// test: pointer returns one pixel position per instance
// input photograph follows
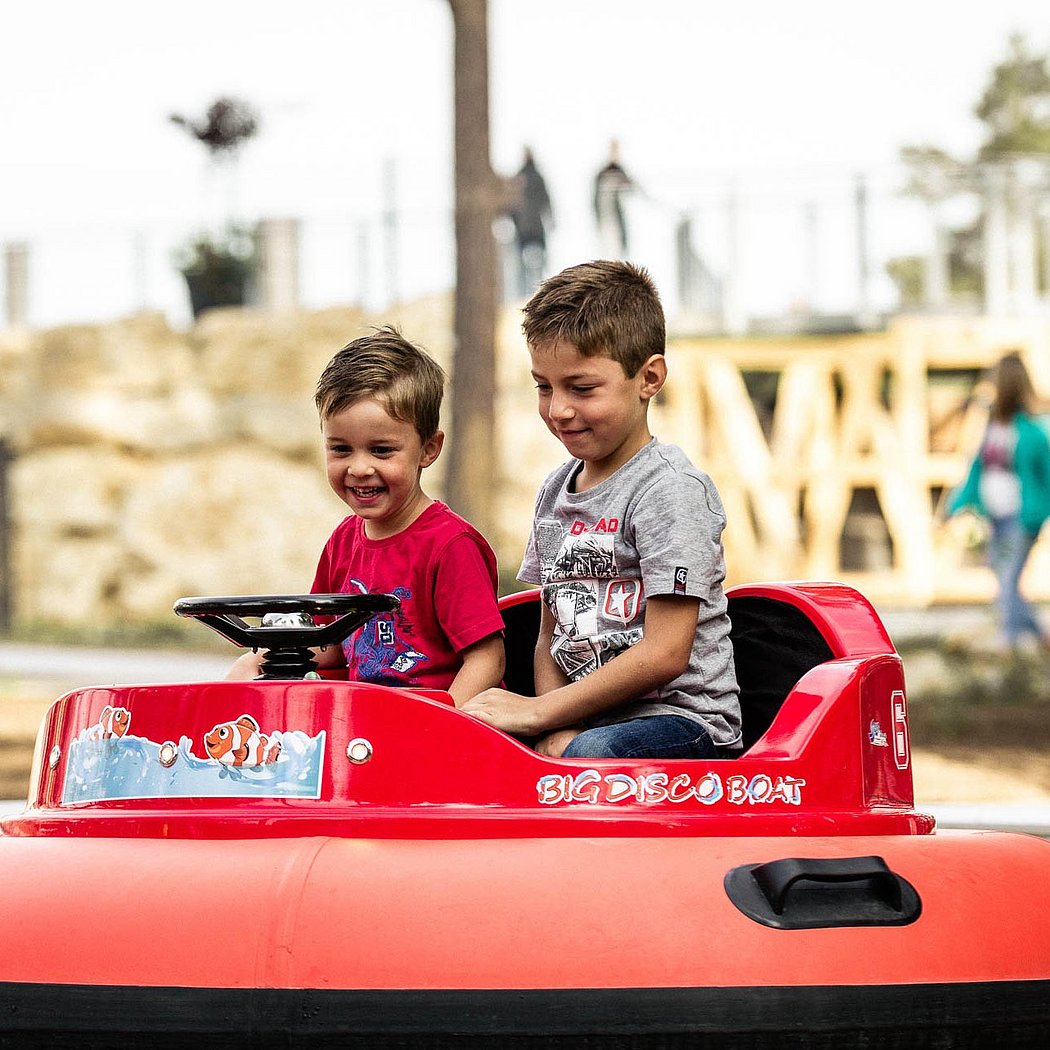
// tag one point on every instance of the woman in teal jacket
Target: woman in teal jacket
(1009, 484)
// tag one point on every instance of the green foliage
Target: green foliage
(1015, 109)
(933, 175)
(964, 269)
(225, 260)
(906, 272)
(965, 260)
(1015, 106)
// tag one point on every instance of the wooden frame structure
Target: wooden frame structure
(832, 454)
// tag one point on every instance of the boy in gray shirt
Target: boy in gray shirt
(634, 658)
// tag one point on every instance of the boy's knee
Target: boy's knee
(593, 743)
(667, 737)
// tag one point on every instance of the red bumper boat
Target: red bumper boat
(309, 862)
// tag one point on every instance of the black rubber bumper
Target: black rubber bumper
(994, 1014)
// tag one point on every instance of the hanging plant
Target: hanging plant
(219, 272)
(219, 266)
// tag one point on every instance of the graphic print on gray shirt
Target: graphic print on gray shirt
(652, 528)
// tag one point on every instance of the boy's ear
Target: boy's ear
(653, 375)
(432, 448)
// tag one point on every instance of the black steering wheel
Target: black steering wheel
(287, 631)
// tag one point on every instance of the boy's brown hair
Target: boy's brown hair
(386, 366)
(604, 307)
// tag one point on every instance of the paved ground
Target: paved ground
(905, 625)
(83, 666)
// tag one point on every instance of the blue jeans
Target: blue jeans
(661, 736)
(1008, 548)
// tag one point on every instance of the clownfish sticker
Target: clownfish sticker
(113, 722)
(241, 744)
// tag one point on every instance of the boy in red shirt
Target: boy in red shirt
(379, 400)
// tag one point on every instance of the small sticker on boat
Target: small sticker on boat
(112, 722)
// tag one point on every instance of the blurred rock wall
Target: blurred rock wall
(150, 463)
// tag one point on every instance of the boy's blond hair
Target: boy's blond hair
(386, 366)
(602, 308)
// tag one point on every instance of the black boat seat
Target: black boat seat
(774, 645)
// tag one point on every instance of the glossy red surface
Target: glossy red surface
(435, 772)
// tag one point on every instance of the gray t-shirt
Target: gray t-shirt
(652, 528)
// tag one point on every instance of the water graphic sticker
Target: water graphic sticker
(242, 762)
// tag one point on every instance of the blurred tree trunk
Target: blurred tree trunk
(473, 456)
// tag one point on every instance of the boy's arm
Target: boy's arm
(547, 675)
(245, 667)
(483, 665)
(464, 604)
(661, 656)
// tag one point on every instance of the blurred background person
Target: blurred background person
(1008, 484)
(531, 214)
(610, 185)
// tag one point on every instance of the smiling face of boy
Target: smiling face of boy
(593, 408)
(374, 463)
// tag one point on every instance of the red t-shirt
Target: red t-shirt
(445, 575)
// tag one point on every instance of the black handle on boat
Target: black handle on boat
(776, 878)
(224, 614)
(802, 893)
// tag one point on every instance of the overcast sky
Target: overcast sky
(778, 95)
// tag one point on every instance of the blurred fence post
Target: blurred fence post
(734, 320)
(996, 263)
(1024, 253)
(279, 264)
(865, 312)
(390, 231)
(363, 249)
(6, 582)
(16, 283)
(937, 278)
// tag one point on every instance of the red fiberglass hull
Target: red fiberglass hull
(391, 872)
(299, 942)
(497, 913)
